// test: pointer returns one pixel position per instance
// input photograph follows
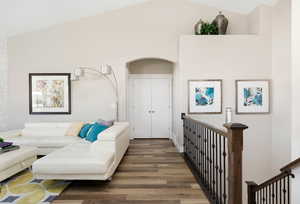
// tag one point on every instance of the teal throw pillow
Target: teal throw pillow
(93, 133)
(84, 130)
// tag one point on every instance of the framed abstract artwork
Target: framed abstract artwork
(252, 96)
(50, 93)
(205, 96)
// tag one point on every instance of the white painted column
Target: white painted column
(3, 83)
(295, 140)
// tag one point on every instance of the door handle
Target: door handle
(151, 111)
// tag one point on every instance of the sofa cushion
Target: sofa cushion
(41, 132)
(94, 132)
(108, 123)
(75, 159)
(45, 129)
(11, 158)
(84, 130)
(74, 129)
(48, 125)
(45, 141)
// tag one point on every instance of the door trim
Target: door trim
(150, 76)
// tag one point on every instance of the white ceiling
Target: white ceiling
(17, 16)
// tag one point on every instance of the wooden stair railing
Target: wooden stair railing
(275, 190)
(215, 157)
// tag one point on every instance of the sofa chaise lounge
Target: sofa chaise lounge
(74, 159)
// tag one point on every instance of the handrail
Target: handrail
(215, 157)
(276, 189)
(270, 181)
(294, 164)
(221, 132)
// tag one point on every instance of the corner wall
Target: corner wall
(3, 84)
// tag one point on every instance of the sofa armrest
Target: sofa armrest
(115, 138)
(112, 133)
(10, 134)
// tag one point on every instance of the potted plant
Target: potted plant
(209, 29)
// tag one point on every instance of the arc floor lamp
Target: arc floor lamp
(102, 71)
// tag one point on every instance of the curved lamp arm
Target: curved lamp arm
(79, 72)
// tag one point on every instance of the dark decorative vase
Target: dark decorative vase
(198, 27)
(222, 23)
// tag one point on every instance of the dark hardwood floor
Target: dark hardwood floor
(152, 172)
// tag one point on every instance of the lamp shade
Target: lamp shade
(105, 69)
(78, 72)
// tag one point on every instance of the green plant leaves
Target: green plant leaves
(209, 29)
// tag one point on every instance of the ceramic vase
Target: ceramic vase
(222, 23)
(198, 27)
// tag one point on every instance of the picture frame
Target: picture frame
(205, 96)
(253, 96)
(49, 93)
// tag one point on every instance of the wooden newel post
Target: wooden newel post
(235, 162)
(251, 192)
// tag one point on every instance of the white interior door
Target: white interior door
(161, 108)
(150, 109)
(141, 107)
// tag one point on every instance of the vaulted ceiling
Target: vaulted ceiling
(17, 16)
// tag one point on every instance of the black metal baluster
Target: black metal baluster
(288, 188)
(264, 194)
(191, 141)
(220, 169)
(184, 135)
(217, 170)
(273, 195)
(284, 191)
(209, 162)
(194, 144)
(203, 149)
(276, 192)
(224, 169)
(214, 167)
(270, 196)
(188, 139)
(280, 191)
(205, 155)
(203, 152)
(198, 148)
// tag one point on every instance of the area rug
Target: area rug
(24, 189)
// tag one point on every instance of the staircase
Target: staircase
(215, 158)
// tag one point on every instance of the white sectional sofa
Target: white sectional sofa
(73, 158)
(47, 137)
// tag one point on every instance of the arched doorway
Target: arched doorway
(150, 97)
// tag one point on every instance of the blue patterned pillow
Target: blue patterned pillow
(93, 133)
(84, 130)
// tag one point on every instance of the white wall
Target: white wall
(295, 139)
(230, 58)
(281, 86)
(149, 30)
(3, 83)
